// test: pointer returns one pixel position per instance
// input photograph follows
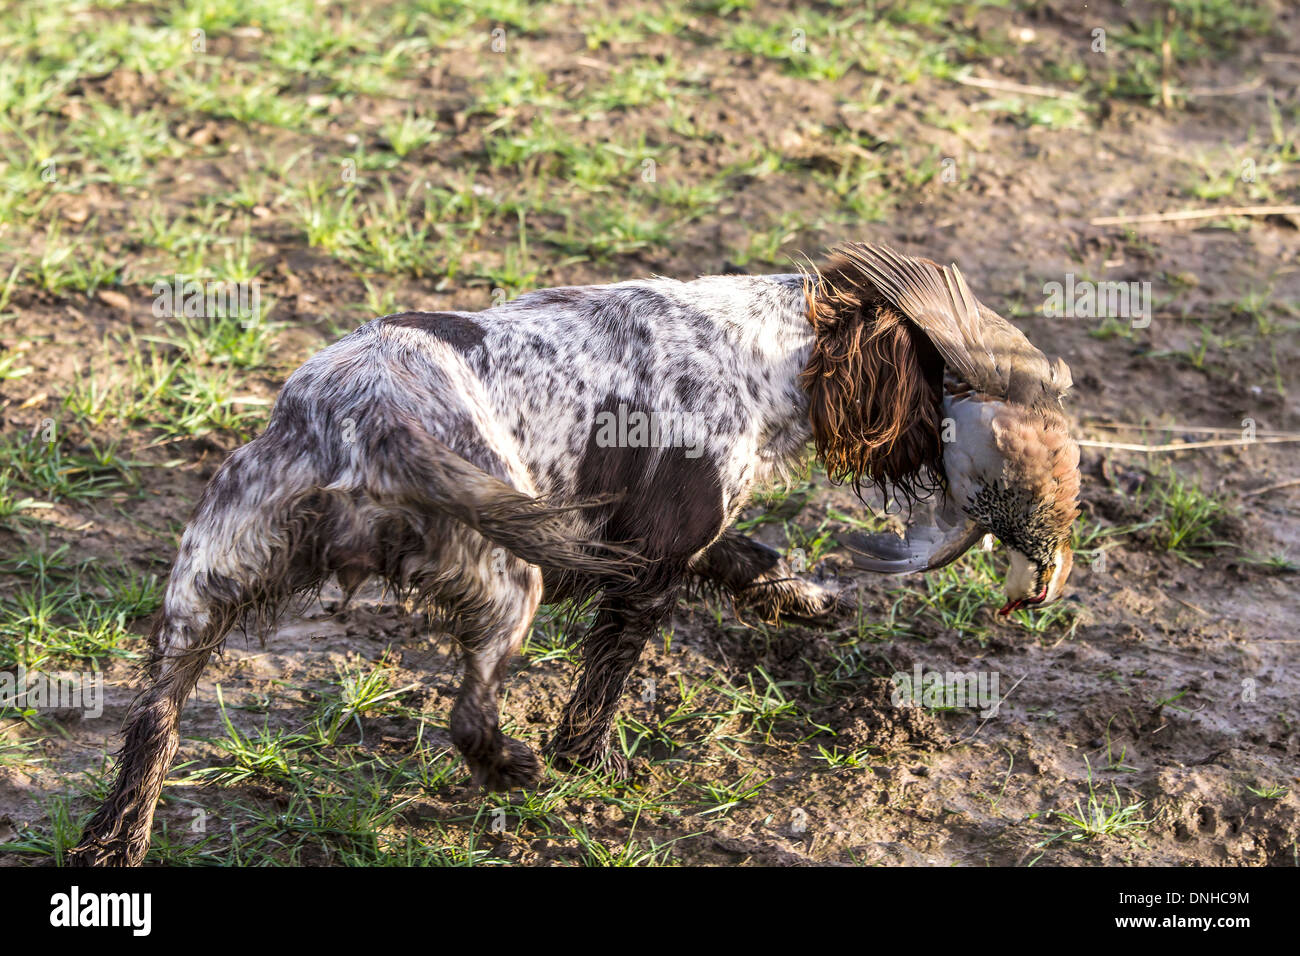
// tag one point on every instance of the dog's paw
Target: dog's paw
(795, 598)
(110, 853)
(607, 761)
(514, 766)
(815, 602)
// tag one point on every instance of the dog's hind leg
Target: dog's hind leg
(758, 577)
(610, 650)
(491, 625)
(237, 555)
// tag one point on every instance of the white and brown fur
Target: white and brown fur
(453, 455)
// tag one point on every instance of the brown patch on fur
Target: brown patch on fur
(662, 505)
(459, 331)
(875, 387)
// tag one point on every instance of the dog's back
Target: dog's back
(714, 361)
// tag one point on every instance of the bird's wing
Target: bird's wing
(983, 349)
(924, 548)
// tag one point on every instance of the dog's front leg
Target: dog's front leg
(758, 577)
(610, 650)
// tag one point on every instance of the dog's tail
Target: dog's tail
(428, 474)
(286, 510)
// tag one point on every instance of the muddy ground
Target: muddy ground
(1166, 692)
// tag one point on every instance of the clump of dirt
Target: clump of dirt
(878, 720)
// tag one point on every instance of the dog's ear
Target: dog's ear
(875, 387)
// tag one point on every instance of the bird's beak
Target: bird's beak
(924, 548)
(1050, 593)
(1018, 603)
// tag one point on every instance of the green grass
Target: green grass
(1132, 66)
(1269, 791)
(1187, 518)
(1103, 815)
(963, 597)
(56, 471)
(523, 113)
(186, 382)
(361, 692)
(55, 613)
(23, 754)
(407, 133)
(1100, 814)
(835, 758)
(341, 802)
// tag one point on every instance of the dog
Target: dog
(597, 443)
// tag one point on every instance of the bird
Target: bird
(1009, 465)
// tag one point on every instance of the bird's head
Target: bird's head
(1014, 472)
(916, 385)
